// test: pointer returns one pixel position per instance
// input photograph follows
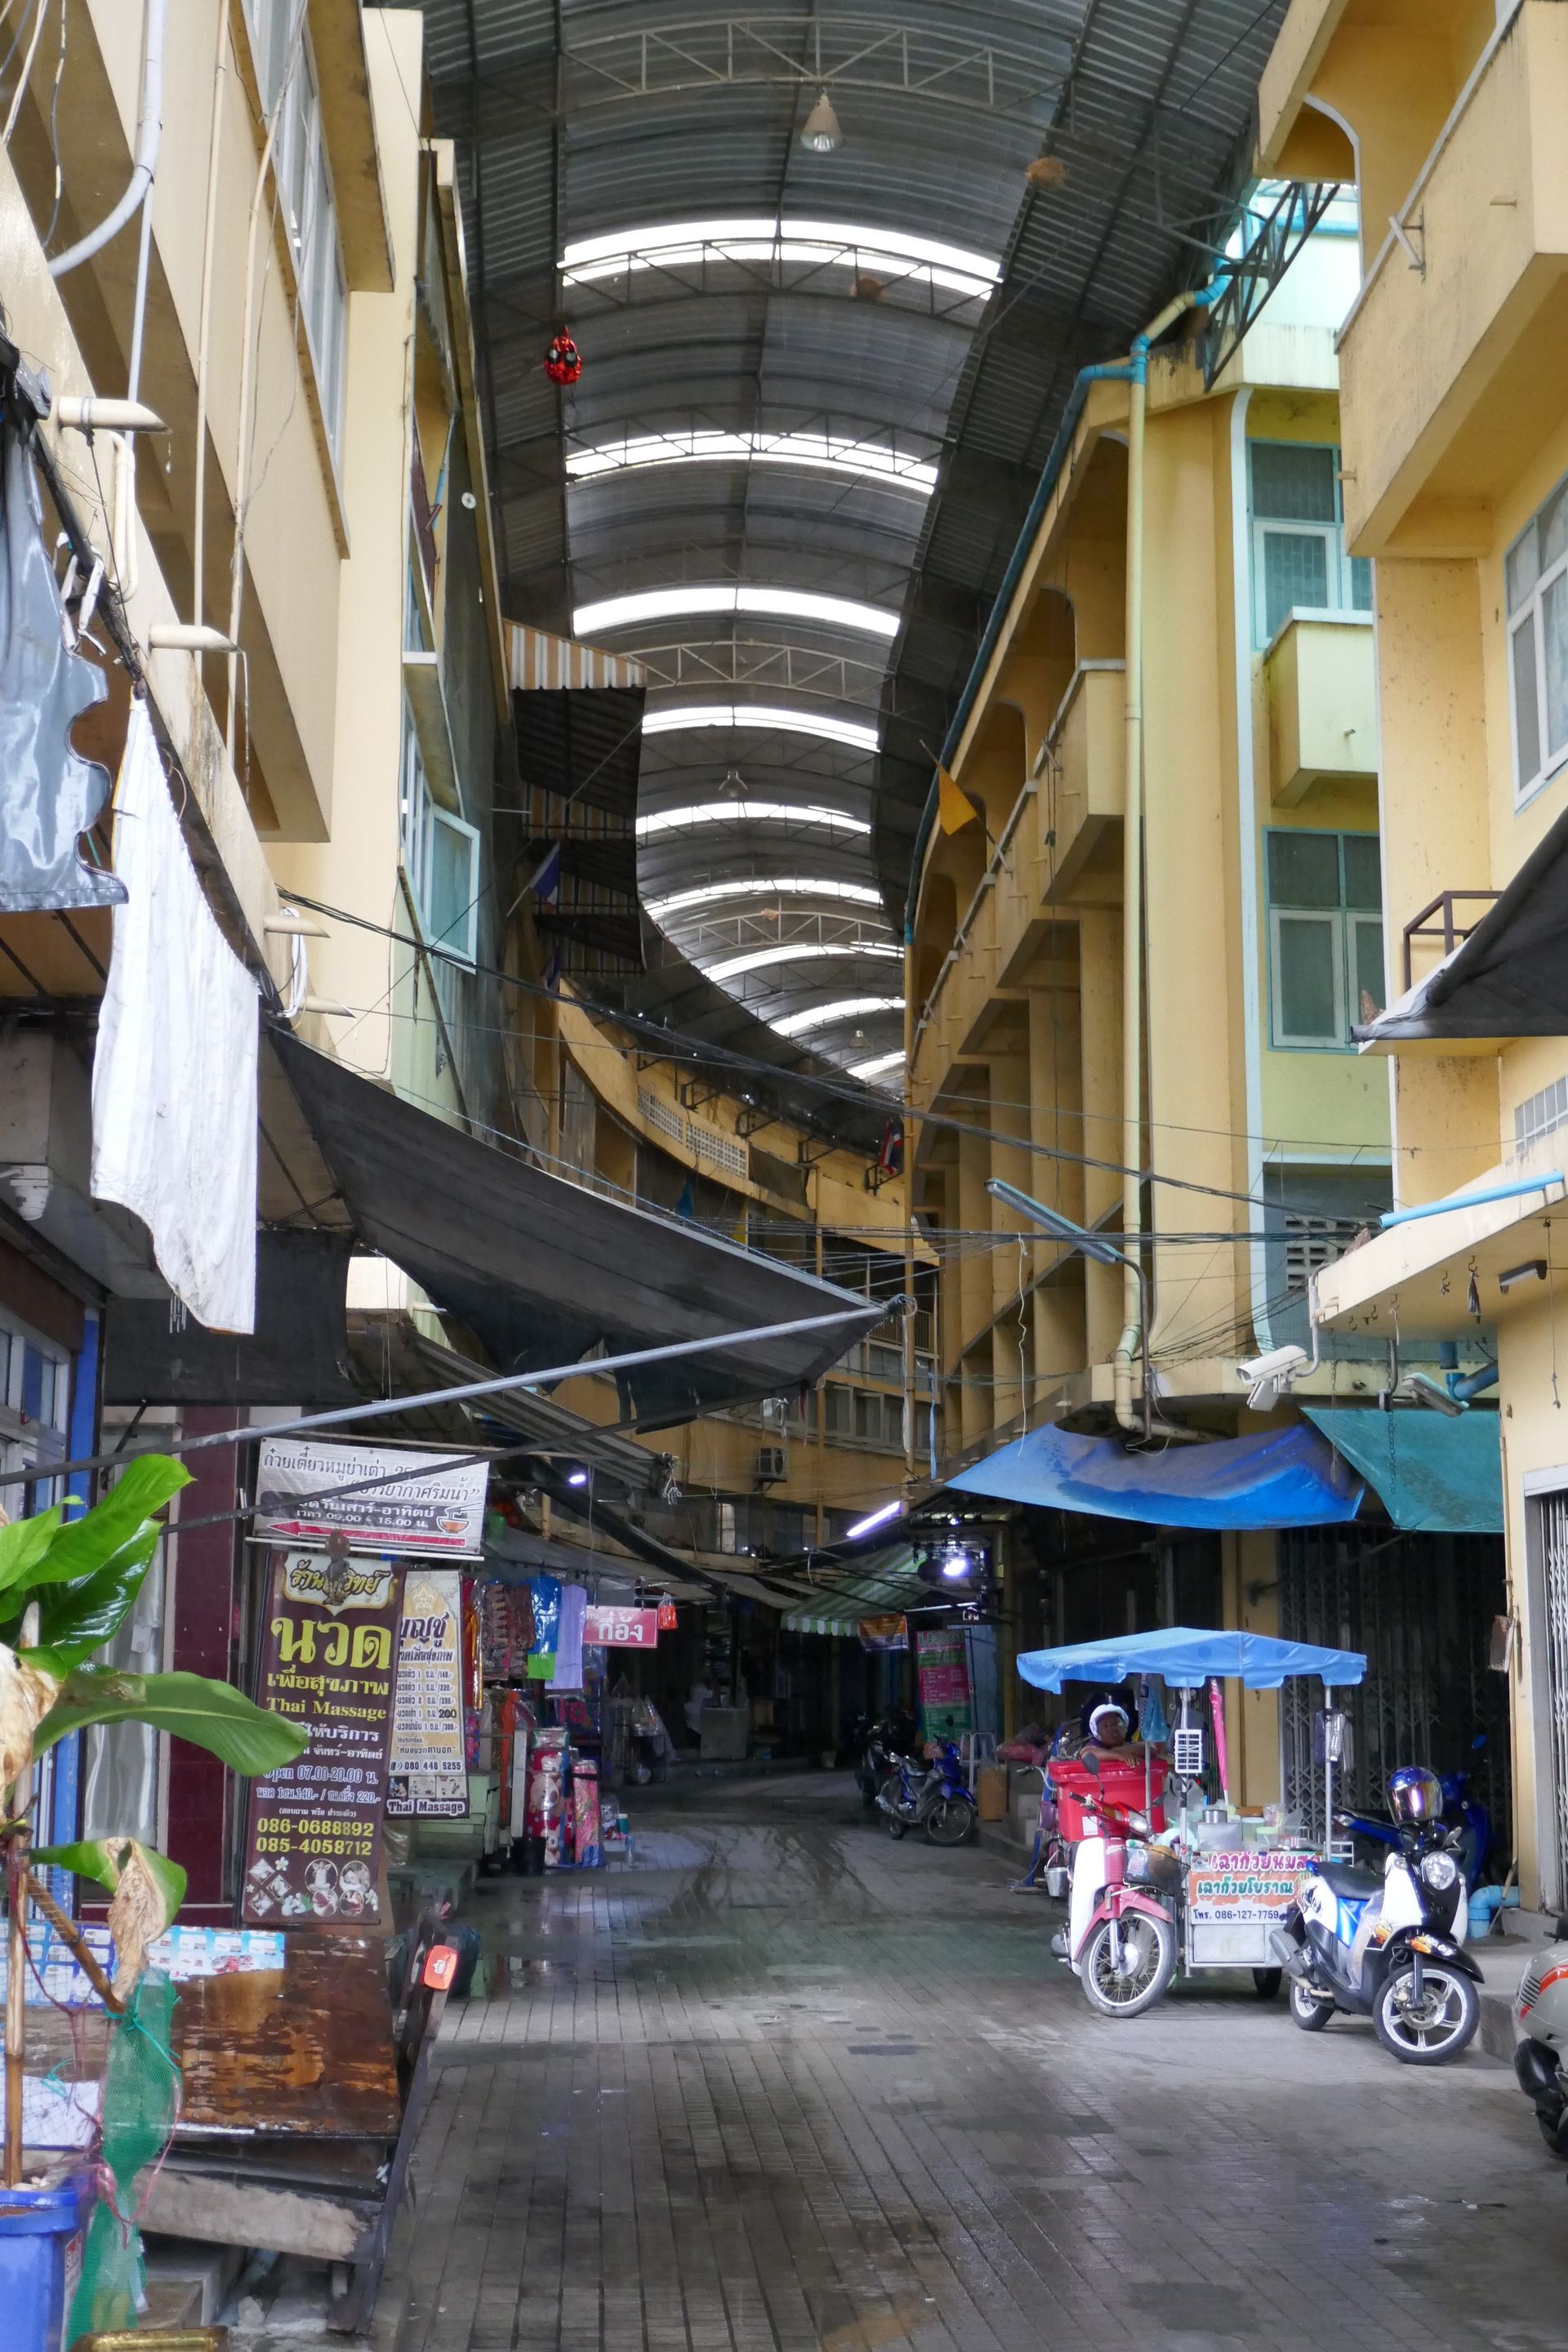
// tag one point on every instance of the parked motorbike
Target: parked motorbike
(1462, 1813)
(1541, 2021)
(938, 1800)
(874, 1766)
(1121, 1937)
(1382, 1945)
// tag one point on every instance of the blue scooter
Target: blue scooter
(1464, 1815)
(940, 1801)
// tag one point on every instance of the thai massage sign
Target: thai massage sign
(942, 1660)
(313, 1845)
(427, 1772)
(383, 1497)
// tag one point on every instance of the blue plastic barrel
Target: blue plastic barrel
(36, 2226)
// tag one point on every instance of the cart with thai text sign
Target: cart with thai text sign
(1239, 1874)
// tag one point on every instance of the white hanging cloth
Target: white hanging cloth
(174, 1076)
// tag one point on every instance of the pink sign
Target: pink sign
(608, 1627)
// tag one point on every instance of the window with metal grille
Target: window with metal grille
(1299, 560)
(1325, 936)
(1540, 1115)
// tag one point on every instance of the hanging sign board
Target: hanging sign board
(942, 1660)
(426, 1773)
(609, 1627)
(1231, 1902)
(422, 1507)
(884, 1633)
(312, 1849)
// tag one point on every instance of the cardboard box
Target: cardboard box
(991, 1792)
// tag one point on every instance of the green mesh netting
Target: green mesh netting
(140, 2097)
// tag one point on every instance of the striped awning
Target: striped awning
(883, 1585)
(542, 662)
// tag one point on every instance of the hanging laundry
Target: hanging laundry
(175, 1072)
(568, 1674)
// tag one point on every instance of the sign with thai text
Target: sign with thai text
(942, 1658)
(426, 1773)
(383, 1497)
(313, 1845)
(607, 1627)
(1242, 1889)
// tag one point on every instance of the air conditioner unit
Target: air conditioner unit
(773, 1462)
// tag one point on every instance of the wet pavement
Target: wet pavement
(785, 2085)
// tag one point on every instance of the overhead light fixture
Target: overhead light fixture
(822, 132)
(874, 1520)
(733, 787)
(576, 1478)
(955, 1564)
(1533, 1270)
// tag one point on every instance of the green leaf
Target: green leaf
(24, 1542)
(75, 1620)
(101, 1860)
(88, 1543)
(247, 1738)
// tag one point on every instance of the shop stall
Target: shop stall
(1234, 1874)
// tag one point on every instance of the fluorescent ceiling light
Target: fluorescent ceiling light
(795, 1024)
(823, 451)
(874, 1520)
(765, 886)
(745, 813)
(875, 1068)
(781, 603)
(824, 243)
(759, 958)
(675, 719)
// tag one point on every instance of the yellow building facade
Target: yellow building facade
(1447, 118)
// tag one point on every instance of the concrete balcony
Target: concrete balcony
(1320, 676)
(1449, 361)
(1061, 845)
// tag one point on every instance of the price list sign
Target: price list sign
(313, 1842)
(429, 1771)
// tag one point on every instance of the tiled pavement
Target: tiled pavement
(786, 2086)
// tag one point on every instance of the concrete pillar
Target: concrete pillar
(1056, 1122)
(1100, 1001)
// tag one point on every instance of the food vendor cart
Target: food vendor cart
(1239, 1874)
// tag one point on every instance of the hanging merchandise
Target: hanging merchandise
(568, 1674)
(668, 1619)
(545, 1591)
(1152, 1727)
(1221, 1750)
(563, 360)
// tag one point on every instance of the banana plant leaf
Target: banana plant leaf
(102, 1859)
(88, 1543)
(75, 1620)
(24, 1543)
(247, 1738)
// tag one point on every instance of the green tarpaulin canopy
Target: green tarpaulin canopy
(1435, 1474)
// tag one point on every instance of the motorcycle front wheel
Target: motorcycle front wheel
(1431, 2030)
(949, 1821)
(895, 1827)
(1312, 2011)
(1127, 1985)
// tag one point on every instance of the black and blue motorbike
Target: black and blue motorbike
(1463, 1814)
(939, 1800)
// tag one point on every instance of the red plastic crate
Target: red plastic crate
(1119, 1783)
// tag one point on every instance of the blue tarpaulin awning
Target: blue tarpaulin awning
(1186, 1658)
(1435, 1474)
(1281, 1478)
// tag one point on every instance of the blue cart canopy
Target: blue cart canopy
(1186, 1659)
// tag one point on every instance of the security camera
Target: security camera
(1429, 1391)
(1269, 1376)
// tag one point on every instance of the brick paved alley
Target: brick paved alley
(786, 2086)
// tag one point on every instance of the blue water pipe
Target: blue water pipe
(1470, 1199)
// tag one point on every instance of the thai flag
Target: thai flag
(546, 883)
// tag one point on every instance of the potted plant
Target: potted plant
(66, 1586)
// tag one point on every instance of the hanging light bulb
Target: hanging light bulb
(821, 133)
(733, 787)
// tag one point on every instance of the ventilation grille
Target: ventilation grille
(1310, 1242)
(705, 1143)
(1540, 1115)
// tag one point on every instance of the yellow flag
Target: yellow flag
(954, 809)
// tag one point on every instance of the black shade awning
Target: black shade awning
(631, 1467)
(297, 1353)
(542, 1270)
(582, 742)
(1510, 977)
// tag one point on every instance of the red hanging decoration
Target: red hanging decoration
(668, 1619)
(563, 360)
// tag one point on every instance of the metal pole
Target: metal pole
(1328, 1772)
(376, 1408)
